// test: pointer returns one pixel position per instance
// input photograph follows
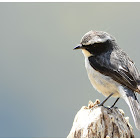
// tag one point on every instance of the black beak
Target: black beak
(78, 47)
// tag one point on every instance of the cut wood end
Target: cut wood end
(100, 122)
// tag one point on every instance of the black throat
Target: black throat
(99, 48)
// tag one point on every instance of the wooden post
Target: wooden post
(99, 122)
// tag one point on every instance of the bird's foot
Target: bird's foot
(115, 103)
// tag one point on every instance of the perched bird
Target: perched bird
(110, 70)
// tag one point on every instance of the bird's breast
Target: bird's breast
(103, 84)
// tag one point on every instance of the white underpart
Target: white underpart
(103, 84)
(123, 95)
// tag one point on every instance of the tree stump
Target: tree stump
(100, 122)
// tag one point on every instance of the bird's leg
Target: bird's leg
(101, 104)
(115, 102)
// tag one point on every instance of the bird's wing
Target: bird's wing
(118, 67)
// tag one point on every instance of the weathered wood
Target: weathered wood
(99, 122)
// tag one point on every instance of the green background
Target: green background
(43, 82)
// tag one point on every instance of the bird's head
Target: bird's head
(95, 42)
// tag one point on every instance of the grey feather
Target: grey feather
(131, 99)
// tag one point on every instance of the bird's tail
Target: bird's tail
(134, 105)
